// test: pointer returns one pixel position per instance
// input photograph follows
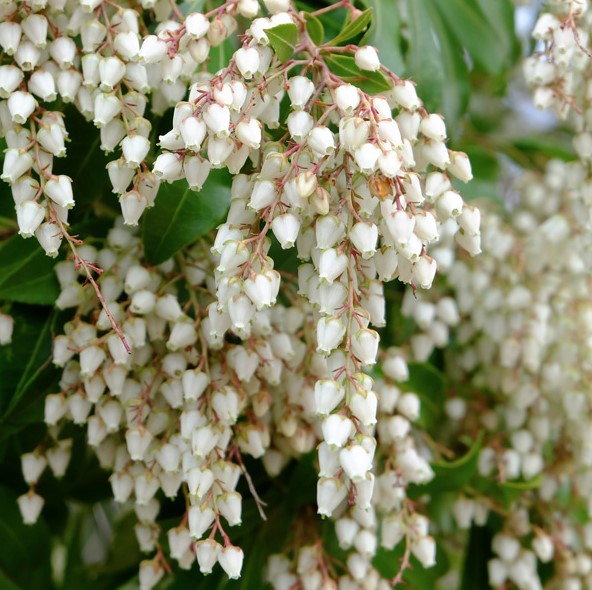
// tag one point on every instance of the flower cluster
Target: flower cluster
(187, 405)
(175, 385)
(523, 334)
(559, 69)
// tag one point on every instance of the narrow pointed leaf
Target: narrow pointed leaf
(181, 215)
(354, 28)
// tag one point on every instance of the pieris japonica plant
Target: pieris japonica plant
(221, 222)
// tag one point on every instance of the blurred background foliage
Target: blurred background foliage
(464, 56)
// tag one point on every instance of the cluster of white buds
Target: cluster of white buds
(99, 57)
(167, 416)
(559, 70)
(522, 331)
(187, 404)
(360, 191)
(173, 392)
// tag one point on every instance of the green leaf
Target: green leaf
(388, 563)
(385, 34)
(477, 36)
(455, 475)
(353, 29)
(26, 273)
(24, 362)
(478, 553)
(181, 215)
(436, 62)
(506, 493)
(6, 583)
(283, 39)
(499, 16)
(314, 28)
(85, 162)
(220, 54)
(428, 383)
(537, 146)
(345, 67)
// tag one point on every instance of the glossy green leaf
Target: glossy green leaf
(6, 583)
(26, 273)
(455, 475)
(353, 29)
(345, 67)
(181, 215)
(283, 39)
(545, 146)
(385, 35)
(85, 162)
(499, 15)
(314, 28)
(474, 574)
(436, 63)
(473, 32)
(505, 492)
(25, 364)
(388, 563)
(220, 54)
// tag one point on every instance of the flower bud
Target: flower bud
(10, 36)
(356, 461)
(424, 271)
(10, 79)
(63, 51)
(425, 551)
(229, 505)
(248, 132)
(135, 149)
(336, 429)
(42, 84)
(347, 98)
(460, 166)
(168, 167)
(151, 573)
(404, 95)
(59, 190)
(366, 157)
(217, 118)
(200, 520)
(21, 106)
(153, 49)
(106, 108)
(300, 89)
(330, 493)
(15, 165)
(328, 395)
(29, 216)
(231, 560)
(247, 61)
(6, 329)
(285, 228)
(433, 127)
(30, 505)
(366, 58)
(207, 553)
(321, 141)
(197, 25)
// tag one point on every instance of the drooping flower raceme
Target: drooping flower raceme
(358, 180)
